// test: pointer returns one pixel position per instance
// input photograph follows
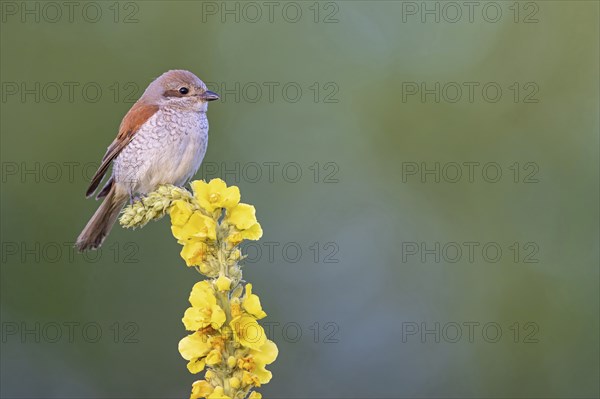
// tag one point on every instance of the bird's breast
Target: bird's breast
(168, 149)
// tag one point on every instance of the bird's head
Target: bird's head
(179, 89)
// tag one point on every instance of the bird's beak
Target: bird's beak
(209, 96)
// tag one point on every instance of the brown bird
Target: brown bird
(161, 140)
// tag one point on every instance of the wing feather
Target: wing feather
(135, 118)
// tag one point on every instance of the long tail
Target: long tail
(101, 223)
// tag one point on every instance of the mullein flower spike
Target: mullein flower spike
(226, 340)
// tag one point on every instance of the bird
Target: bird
(161, 140)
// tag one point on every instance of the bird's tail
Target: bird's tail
(101, 223)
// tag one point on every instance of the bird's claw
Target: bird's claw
(135, 198)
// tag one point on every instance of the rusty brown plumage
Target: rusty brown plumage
(131, 123)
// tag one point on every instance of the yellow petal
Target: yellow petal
(200, 188)
(231, 361)
(194, 253)
(248, 332)
(236, 307)
(198, 227)
(218, 394)
(266, 354)
(242, 216)
(203, 295)
(201, 389)
(251, 303)
(180, 212)
(194, 346)
(195, 366)
(223, 283)
(253, 233)
(250, 379)
(194, 319)
(217, 317)
(234, 382)
(255, 395)
(215, 194)
(263, 375)
(231, 197)
(213, 357)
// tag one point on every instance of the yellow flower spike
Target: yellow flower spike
(218, 394)
(201, 389)
(248, 332)
(226, 342)
(223, 283)
(242, 216)
(251, 303)
(215, 194)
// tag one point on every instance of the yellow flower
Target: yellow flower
(248, 332)
(235, 307)
(195, 366)
(266, 354)
(194, 348)
(197, 318)
(218, 394)
(255, 395)
(202, 293)
(242, 216)
(209, 375)
(215, 194)
(250, 379)
(204, 311)
(194, 253)
(246, 363)
(201, 389)
(223, 283)
(180, 212)
(214, 357)
(253, 233)
(234, 382)
(231, 362)
(197, 227)
(251, 303)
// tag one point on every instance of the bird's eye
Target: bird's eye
(184, 90)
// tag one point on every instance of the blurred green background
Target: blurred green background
(354, 266)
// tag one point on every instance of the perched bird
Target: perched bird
(161, 140)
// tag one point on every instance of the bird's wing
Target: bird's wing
(135, 118)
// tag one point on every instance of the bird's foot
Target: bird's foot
(135, 198)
